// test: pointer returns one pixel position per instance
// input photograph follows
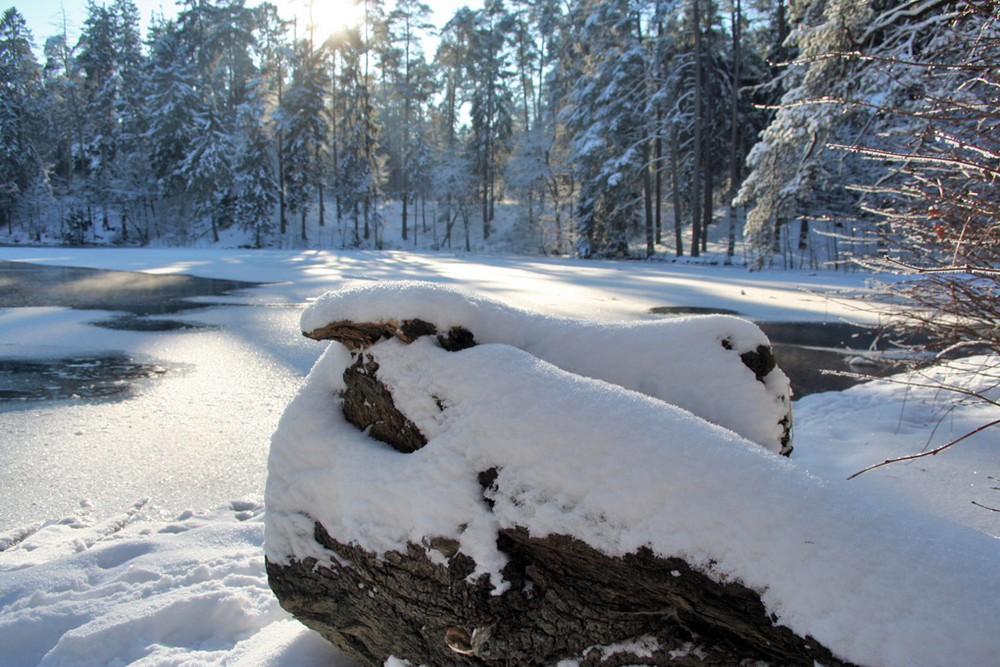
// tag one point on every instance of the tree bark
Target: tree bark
(675, 175)
(736, 17)
(699, 82)
(566, 600)
(647, 197)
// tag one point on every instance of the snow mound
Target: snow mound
(576, 454)
(690, 362)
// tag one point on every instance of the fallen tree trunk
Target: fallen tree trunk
(566, 601)
(561, 597)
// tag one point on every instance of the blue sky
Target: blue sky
(44, 17)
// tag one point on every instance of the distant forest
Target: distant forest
(616, 127)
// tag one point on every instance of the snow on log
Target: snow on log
(691, 362)
(444, 498)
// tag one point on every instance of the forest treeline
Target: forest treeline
(616, 127)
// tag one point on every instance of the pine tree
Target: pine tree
(609, 120)
(274, 57)
(477, 43)
(359, 170)
(20, 80)
(793, 174)
(132, 178)
(173, 104)
(533, 177)
(404, 27)
(208, 170)
(490, 110)
(255, 184)
(448, 61)
(99, 59)
(304, 119)
(63, 82)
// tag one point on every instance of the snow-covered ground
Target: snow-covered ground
(135, 528)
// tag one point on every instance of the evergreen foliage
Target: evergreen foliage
(603, 124)
(20, 80)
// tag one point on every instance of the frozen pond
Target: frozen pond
(109, 376)
(165, 386)
(117, 386)
(23, 284)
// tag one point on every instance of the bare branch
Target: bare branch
(931, 452)
(913, 157)
(967, 268)
(985, 507)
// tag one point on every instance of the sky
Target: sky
(44, 17)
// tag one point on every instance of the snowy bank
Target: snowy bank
(878, 583)
(189, 591)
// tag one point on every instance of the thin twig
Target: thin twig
(932, 452)
(967, 268)
(985, 507)
(910, 382)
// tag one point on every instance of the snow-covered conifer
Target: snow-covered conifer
(20, 80)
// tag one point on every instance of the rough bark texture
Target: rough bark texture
(359, 335)
(368, 404)
(565, 599)
(761, 361)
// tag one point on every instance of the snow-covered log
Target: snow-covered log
(532, 514)
(719, 367)
(548, 596)
(565, 600)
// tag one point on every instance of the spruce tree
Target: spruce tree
(609, 121)
(404, 27)
(304, 120)
(255, 184)
(20, 80)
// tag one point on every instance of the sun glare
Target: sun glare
(327, 17)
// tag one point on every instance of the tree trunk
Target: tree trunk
(707, 214)
(678, 213)
(322, 204)
(736, 17)
(565, 600)
(699, 77)
(282, 205)
(658, 190)
(405, 212)
(647, 197)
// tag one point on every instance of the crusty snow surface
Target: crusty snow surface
(896, 567)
